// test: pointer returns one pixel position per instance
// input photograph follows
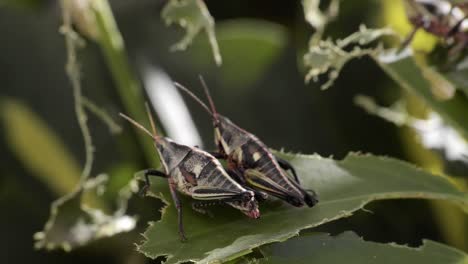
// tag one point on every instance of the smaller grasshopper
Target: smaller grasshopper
(251, 162)
(198, 174)
(440, 18)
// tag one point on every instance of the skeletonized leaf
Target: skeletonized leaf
(193, 15)
(343, 186)
(73, 222)
(329, 57)
(349, 248)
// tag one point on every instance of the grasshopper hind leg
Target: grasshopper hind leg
(200, 207)
(238, 177)
(285, 165)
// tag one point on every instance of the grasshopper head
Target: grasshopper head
(247, 204)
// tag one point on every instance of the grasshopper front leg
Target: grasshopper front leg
(172, 188)
(150, 172)
(178, 205)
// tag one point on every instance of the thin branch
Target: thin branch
(114, 128)
(72, 42)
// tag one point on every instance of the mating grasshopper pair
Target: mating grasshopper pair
(253, 171)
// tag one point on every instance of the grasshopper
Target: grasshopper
(440, 18)
(198, 174)
(250, 161)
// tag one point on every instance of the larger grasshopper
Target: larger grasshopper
(198, 174)
(251, 162)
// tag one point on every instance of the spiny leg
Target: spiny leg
(408, 39)
(287, 166)
(200, 206)
(150, 172)
(178, 206)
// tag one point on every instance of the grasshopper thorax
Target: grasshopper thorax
(171, 153)
(228, 136)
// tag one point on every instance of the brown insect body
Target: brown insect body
(256, 165)
(440, 18)
(198, 174)
(261, 169)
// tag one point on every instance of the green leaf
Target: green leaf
(38, 147)
(193, 15)
(349, 248)
(404, 70)
(343, 186)
(258, 42)
(458, 74)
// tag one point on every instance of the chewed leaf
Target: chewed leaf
(193, 15)
(365, 36)
(74, 223)
(329, 57)
(322, 248)
(343, 187)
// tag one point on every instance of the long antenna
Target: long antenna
(150, 117)
(135, 123)
(199, 101)
(208, 95)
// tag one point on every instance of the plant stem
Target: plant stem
(113, 48)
